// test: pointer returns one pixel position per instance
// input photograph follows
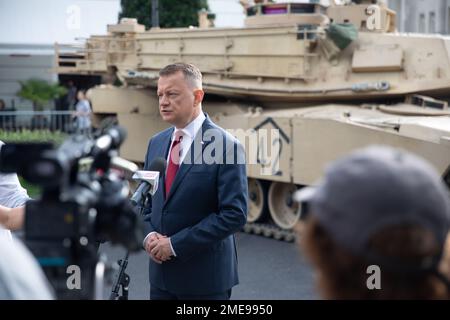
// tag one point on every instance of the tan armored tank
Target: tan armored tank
(300, 85)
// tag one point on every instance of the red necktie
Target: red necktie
(174, 160)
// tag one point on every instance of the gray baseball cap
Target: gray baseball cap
(374, 188)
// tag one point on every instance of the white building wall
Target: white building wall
(20, 63)
(28, 30)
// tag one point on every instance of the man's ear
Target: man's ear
(198, 96)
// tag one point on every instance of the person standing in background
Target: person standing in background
(83, 114)
(71, 97)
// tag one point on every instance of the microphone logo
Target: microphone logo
(151, 177)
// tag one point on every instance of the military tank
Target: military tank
(300, 85)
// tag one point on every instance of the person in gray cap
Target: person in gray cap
(378, 209)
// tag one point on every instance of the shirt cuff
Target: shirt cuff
(145, 239)
(171, 248)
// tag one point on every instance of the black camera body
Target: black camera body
(78, 208)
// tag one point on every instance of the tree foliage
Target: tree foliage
(40, 92)
(172, 13)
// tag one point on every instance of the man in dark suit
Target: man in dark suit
(202, 198)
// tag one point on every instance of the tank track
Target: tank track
(269, 231)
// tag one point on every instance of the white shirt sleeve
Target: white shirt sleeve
(20, 275)
(11, 192)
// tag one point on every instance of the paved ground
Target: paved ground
(268, 269)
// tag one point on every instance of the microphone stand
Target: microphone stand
(123, 279)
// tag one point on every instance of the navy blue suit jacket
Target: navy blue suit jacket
(206, 205)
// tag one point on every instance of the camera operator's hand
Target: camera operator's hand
(151, 242)
(12, 218)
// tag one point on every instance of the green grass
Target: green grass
(56, 137)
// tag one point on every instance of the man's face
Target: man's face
(179, 103)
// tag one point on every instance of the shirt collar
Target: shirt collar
(192, 128)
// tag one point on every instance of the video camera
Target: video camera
(78, 208)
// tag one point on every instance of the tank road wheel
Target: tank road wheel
(284, 211)
(257, 202)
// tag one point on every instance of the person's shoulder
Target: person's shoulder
(86, 104)
(162, 134)
(221, 131)
(210, 125)
(228, 138)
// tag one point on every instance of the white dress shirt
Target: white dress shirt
(189, 133)
(11, 195)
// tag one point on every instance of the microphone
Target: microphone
(149, 179)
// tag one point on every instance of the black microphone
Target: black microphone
(149, 182)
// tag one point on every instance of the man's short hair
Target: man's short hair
(191, 73)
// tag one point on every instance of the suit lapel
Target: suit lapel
(163, 152)
(195, 152)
